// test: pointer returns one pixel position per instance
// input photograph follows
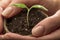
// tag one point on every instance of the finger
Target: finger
(11, 10)
(4, 3)
(47, 25)
(53, 36)
(17, 36)
(1, 37)
(1, 20)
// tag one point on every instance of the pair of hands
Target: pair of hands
(49, 28)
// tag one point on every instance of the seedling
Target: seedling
(28, 9)
(21, 5)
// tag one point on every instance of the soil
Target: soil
(18, 23)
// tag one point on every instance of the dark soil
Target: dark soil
(18, 23)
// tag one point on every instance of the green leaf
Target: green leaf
(20, 5)
(39, 6)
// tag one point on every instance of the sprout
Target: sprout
(21, 5)
(28, 9)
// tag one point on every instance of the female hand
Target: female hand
(40, 32)
(53, 22)
(9, 10)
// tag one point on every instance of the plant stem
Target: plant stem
(5, 27)
(28, 17)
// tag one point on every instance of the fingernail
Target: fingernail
(7, 11)
(38, 31)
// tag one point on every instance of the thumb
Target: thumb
(47, 25)
(11, 10)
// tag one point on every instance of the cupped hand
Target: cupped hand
(48, 28)
(10, 10)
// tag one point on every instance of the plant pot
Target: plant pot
(18, 23)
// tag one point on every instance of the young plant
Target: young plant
(21, 5)
(28, 9)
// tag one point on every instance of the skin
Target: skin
(49, 28)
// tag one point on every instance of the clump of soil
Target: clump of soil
(18, 23)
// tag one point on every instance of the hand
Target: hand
(52, 35)
(49, 28)
(10, 10)
(48, 25)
